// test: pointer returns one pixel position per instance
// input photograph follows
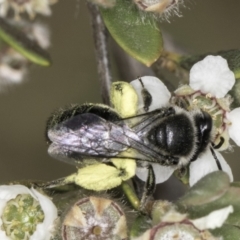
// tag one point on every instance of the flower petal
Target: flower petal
(212, 75)
(234, 128)
(206, 164)
(158, 91)
(213, 220)
(162, 173)
(45, 229)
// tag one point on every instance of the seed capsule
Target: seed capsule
(96, 219)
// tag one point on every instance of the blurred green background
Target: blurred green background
(206, 25)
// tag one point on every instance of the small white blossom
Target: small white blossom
(214, 219)
(212, 75)
(45, 228)
(30, 6)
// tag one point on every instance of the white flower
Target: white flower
(41, 212)
(159, 92)
(212, 75)
(30, 6)
(206, 164)
(214, 219)
(201, 166)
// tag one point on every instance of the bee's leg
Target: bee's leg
(56, 183)
(216, 159)
(148, 190)
(138, 186)
(221, 142)
(51, 184)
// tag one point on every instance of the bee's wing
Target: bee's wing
(86, 136)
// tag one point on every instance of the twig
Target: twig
(100, 41)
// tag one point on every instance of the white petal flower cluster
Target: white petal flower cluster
(32, 7)
(45, 228)
(212, 79)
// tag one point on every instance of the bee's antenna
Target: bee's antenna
(216, 159)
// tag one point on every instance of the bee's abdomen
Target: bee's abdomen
(174, 135)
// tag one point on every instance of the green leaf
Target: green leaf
(208, 189)
(211, 193)
(28, 48)
(141, 224)
(227, 232)
(138, 35)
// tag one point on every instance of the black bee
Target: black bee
(90, 134)
(168, 136)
